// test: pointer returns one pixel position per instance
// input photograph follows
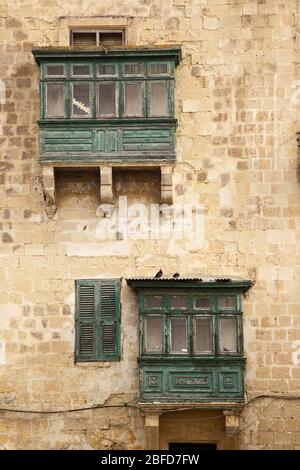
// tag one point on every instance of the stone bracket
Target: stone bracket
(106, 191)
(166, 184)
(48, 186)
(152, 431)
(232, 421)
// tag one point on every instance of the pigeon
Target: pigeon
(158, 274)
(176, 275)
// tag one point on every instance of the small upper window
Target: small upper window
(98, 37)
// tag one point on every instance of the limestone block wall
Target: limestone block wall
(237, 105)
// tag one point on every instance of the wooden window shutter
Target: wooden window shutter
(110, 319)
(97, 320)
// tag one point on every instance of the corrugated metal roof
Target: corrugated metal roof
(164, 278)
(193, 282)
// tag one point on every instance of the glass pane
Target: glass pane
(55, 100)
(153, 301)
(55, 70)
(106, 99)
(178, 301)
(202, 302)
(84, 39)
(227, 302)
(159, 99)
(154, 337)
(157, 69)
(202, 335)
(228, 335)
(178, 327)
(81, 100)
(81, 70)
(133, 69)
(108, 69)
(133, 99)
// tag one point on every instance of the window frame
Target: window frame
(45, 91)
(91, 98)
(214, 313)
(97, 32)
(119, 78)
(145, 332)
(117, 104)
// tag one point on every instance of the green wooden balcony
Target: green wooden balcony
(191, 340)
(112, 105)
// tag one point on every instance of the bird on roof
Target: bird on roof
(158, 274)
(176, 275)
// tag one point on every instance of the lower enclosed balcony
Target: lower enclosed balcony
(165, 380)
(95, 142)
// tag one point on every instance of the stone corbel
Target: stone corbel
(152, 431)
(48, 185)
(106, 191)
(232, 422)
(166, 184)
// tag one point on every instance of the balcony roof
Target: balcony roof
(189, 282)
(158, 52)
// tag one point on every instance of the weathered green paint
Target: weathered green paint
(61, 54)
(202, 377)
(192, 381)
(97, 320)
(92, 138)
(58, 143)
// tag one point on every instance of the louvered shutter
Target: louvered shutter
(86, 319)
(110, 319)
(97, 320)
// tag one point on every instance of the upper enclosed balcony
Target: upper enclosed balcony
(101, 105)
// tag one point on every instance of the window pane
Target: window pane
(178, 301)
(228, 335)
(133, 69)
(108, 69)
(159, 99)
(55, 70)
(153, 301)
(81, 70)
(111, 39)
(157, 69)
(84, 38)
(133, 99)
(227, 302)
(202, 335)
(106, 99)
(178, 340)
(81, 100)
(55, 101)
(202, 302)
(154, 338)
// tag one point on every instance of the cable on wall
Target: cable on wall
(134, 404)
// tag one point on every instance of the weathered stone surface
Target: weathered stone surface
(237, 104)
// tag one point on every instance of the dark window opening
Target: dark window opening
(111, 39)
(96, 38)
(82, 38)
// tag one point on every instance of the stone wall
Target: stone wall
(237, 104)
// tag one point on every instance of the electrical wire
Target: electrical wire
(71, 410)
(257, 418)
(134, 404)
